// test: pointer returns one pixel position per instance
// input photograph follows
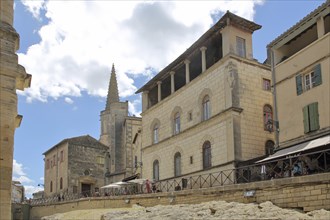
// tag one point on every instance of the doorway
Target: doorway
(86, 189)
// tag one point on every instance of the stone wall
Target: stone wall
(306, 193)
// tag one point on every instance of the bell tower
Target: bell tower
(112, 120)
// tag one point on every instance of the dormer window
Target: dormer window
(240, 47)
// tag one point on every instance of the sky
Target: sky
(70, 46)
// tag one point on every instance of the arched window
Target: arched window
(207, 155)
(268, 118)
(269, 147)
(177, 164)
(51, 186)
(155, 134)
(177, 123)
(155, 170)
(206, 108)
(61, 183)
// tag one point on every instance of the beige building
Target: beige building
(12, 77)
(210, 108)
(301, 66)
(75, 165)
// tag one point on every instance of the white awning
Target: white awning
(298, 148)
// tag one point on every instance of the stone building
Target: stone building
(300, 59)
(17, 192)
(12, 77)
(75, 165)
(117, 132)
(210, 108)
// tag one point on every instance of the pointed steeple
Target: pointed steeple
(113, 89)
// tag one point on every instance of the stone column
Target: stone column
(145, 100)
(12, 77)
(187, 62)
(203, 50)
(172, 82)
(320, 27)
(159, 83)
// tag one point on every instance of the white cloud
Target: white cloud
(42, 178)
(84, 38)
(18, 169)
(23, 179)
(30, 189)
(20, 175)
(68, 100)
(133, 107)
(34, 6)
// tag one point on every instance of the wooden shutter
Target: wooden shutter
(317, 75)
(299, 87)
(313, 116)
(306, 119)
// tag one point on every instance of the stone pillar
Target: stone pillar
(145, 100)
(203, 50)
(320, 27)
(159, 83)
(187, 62)
(172, 82)
(12, 77)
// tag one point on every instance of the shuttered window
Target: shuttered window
(311, 117)
(309, 80)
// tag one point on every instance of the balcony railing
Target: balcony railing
(290, 166)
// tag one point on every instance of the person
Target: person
(148, 186)
(263, 172)
(177, 188)
(154, 187)
(296, 170)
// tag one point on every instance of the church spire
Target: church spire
(113, 89)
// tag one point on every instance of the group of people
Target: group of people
(303, 165)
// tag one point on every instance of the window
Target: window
(309, 80)
(135, 162)
(207, 155)
(268, 118)
(177, 164)
(155, 170)
(47, 164)
(206, 108)
(311, 117)
(240, 47)
(189, 116)
(51, 186)
(100, 160)
(191, 160)
(269, 147)
(177, 123)
(155, 134)
(266, 84)
(61, 183)
(62, 156)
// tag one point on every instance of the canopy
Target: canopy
(131, 177)
(298, 148)
(111, 186)
(138, 181)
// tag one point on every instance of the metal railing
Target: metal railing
(291, 166)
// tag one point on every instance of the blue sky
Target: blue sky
(69, 47)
